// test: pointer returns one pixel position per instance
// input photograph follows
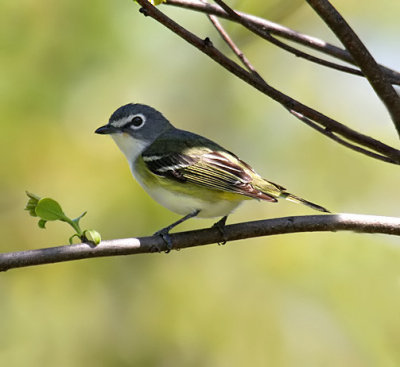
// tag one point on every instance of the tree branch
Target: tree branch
(225, 36)
(265, 27)
(268, 227)
(361, 55)
(235, 16)
(391, 155)
(338, 139)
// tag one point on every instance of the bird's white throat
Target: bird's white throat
(130, 146)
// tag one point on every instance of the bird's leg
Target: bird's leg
(164, 233)
(220, 225)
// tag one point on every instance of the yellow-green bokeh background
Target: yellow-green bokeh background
(322, 299)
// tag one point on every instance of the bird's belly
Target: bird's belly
(185, 204)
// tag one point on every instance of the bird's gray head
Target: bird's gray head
(134, 127)
(138, 120)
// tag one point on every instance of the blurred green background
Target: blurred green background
(322, 299)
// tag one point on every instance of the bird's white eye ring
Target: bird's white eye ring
(136, 122)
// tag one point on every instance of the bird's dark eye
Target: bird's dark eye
(136, 122)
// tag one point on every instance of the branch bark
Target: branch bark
(236, 16)
(225, 36)
(268, 227)
(362, 57)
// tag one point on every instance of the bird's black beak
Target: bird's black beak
(107, 129)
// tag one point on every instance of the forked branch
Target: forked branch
(370, 68)
(264, 28)
(330, 127)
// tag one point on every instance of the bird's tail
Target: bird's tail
(296, 199)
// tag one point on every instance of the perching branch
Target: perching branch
(268, 227)
(335, 130)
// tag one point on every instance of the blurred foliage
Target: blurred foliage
(329, 299)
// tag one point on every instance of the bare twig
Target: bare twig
(265, 28)
(235, 16)
(338, 139)
(362, 56)
(266, 35)
(392, 155)
(225, 36)
(269, 227)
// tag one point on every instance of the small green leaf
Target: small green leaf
(92, 236)
(49, 209)
(42, 223)
(32, 203)
(32, 196)
(31, 210)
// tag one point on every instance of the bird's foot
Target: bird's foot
(164, 234)
(220, 225)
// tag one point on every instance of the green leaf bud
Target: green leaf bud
(92, 236)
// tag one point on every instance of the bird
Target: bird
(185, 172)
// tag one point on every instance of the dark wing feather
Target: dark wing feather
(215, 169)
(169, 165)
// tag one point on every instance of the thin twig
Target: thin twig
(361, 55)
(339, 140)
(265, 27)
(291, 104)
(267, 36)
(269, 227)
(236, 50)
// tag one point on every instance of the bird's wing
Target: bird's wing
(211, 166)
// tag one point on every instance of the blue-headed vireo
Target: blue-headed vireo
(187, 173)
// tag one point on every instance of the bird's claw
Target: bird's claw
(164, 234)
(220, 226)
